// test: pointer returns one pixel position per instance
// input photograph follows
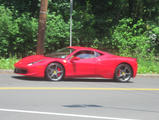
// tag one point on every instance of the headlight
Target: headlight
(30, 64)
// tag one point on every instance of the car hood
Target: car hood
(31, 59)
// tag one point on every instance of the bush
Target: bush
(17, 35)
(153, 33)
(7, 63)
(131, 39)
(8, 32)
(148, 66)
(27, 35)
(57, 33)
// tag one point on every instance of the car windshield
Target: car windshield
(61, 53)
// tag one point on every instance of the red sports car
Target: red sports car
(78, 62)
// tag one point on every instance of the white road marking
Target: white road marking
(64, 114)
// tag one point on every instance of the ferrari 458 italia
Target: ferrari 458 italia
(78, 62)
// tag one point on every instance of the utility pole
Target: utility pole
(42, 27)
(71, 9)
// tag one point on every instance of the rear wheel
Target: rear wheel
(123, 73)
(55, 72)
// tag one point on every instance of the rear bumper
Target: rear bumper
(135, 68)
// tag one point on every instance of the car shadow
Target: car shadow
(25, 78)
(87, 80)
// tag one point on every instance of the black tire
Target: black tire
(123, 73)
(55, 72)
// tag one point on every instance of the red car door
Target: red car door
(86, 65)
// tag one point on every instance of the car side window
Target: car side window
(85, 54)
(97, 54)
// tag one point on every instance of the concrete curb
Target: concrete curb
(138, 75)
(147, 75)
(6, 71)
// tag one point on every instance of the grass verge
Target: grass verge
(7, 63)
(145, 66)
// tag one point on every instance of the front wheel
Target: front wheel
(123, 73)
(55, 72)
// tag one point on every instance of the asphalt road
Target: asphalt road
(23, 98)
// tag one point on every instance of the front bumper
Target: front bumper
(20, 71)
(33, 71)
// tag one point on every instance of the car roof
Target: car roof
(88, 48)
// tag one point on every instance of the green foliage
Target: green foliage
(57, 32)
(8, 31)
(17, 36)
(148, 66)
(7, 63)
(153, 33)
(131, 39)
(61, 7)
(27, 35)
(83, 23)
(22, 6)
(128, 27)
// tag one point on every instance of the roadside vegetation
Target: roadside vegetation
(150, 67)
(8, 63)
(123, 27)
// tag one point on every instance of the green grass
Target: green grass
(151, 67)
(7, 63)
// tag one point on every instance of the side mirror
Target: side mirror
(74, 59)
